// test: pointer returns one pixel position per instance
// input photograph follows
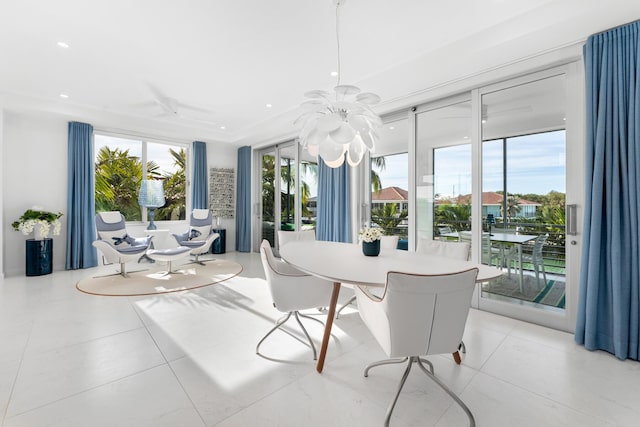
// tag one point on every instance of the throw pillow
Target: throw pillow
(118, 239)
(199, 233)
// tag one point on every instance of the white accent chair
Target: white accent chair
(292, 291)
(418, 315)
(285, 237)
(448, 249)
(200, 236)
(386, 242)
(115, 244)
(454, 250)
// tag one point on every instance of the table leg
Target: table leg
(329, 324)
(520, 265)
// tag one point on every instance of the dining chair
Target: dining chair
(115, 243)
(489, 253)
(285, 237)
(200, 236)
(386, 242)
(292, 291)
(417, 316)
(454, 250)
(507, 252)
(536, 258)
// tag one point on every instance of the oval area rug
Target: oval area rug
(156, 281)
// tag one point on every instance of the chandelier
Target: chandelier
(342, 124)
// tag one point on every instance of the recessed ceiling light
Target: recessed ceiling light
(391, 127)
(484, 121)
(564, 118)
(63, 44)
(269, 105)
(466, 137)
(64, 95)
(223, 127)
(334, 74)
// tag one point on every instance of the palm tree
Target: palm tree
(175, 189)
(379, 164)
(118, 177)
(388, 218)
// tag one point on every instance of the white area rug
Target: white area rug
(156, 281)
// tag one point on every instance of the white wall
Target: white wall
(2, 215)
(33, 154)
(34, 171)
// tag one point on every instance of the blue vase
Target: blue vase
(371, 248)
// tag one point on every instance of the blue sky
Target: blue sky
(536, 164)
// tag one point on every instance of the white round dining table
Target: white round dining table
(345, 263)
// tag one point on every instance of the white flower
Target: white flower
(370, 234)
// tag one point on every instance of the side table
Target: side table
(219, 245)
(39, 257)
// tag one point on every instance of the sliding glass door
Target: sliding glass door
(490, 168)
(287, 180)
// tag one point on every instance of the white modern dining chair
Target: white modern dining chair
(292, 291)
(386, 243)
(285, 237)
(454, 250)
(418, 315)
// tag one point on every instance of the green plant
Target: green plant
(34, 216)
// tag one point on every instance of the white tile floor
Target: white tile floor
(188, 359)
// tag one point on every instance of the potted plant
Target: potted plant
(38, 221)
(370, 238)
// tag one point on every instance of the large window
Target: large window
(389, 193)
(120, 164)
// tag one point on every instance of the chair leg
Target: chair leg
(311, 317)
(457, 358)
(395, 399)
(313, 347)
(421, 362)
(351, 301)
(282, 321)
(123, 271)
(472, 421)
(384, 362)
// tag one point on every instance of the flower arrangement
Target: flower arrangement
(370, 234)
(36, 216)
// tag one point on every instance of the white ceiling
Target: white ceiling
(221, 61)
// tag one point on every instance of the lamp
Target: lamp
(335, 129)
(151, 197)
(490, 221)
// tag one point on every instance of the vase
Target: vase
(371, 248)
(38, 232)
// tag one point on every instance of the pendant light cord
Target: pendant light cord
(338, 40)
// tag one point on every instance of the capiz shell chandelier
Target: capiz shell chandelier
(342, 124)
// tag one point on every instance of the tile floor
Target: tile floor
(188, 359)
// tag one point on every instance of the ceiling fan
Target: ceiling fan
(171, 107)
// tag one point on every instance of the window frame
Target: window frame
(144, 140)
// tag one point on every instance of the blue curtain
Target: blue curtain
(334, 212)
(609, 299)
(200, 181)
(243, 201)
(81, 226)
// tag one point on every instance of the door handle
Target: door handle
(572, 219)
